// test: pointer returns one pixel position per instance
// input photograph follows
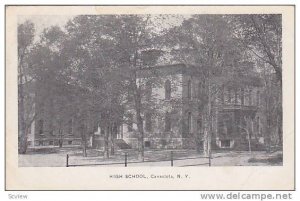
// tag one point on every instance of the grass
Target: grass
(277, 159)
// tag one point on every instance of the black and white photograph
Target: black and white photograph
(150, 90)
(198, 92)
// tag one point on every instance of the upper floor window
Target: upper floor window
(168, 90)
(189, 89)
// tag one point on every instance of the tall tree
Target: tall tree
(262, 36)
(136, 50)
(206, 43)
(92, 68)
(25, 41)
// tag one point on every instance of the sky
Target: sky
(44, 21)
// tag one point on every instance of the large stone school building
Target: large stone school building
(174, 119)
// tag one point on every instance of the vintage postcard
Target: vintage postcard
(150, 98)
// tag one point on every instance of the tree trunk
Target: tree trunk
(249, 141)
(141, 137)
(138, 108)
(207, 135)
(106, 142)
(23, 140)
(279, 124)
(112, 141)
(84, 143)
(208, 122)
(22, 125)
(60, 141)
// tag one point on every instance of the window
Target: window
(199, 124)
(148, 90)
(189, 122)
(242, 96)
(225, 143)
(130, 123)
(147, 144)
(41, 143)
(69, 142)
(70, 126)
(41, 126)
(189, 89)
(200, 89)
(257, 97)
(235, 96)
(250, 96)
(168, 90)
(148, 126)
(229, 96)
(102, 131)
(29, 130)
(50, 142)
(167, 122)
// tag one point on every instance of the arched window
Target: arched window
(199, 124)
(167, 121)
(189, 122)
(189, 89)
(229, 96)
(200, 90)
(168, 90)
(242, 96)
(250, 96)
(235, 96)
(257, 97)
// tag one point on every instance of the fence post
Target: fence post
(67, 161)
(126, 159)
(171, 158)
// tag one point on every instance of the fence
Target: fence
(126, 162)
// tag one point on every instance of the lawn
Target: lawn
(56, 157)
